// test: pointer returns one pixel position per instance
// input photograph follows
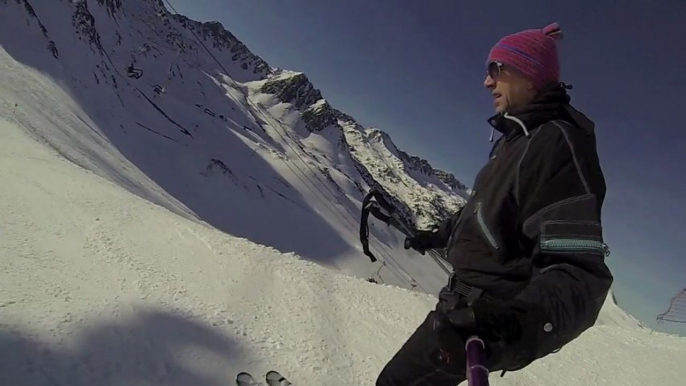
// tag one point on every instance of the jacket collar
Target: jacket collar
(552, 103)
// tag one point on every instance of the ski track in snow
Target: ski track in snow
(130, 259)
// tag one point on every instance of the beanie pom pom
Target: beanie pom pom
(553, 30)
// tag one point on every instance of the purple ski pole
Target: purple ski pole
(477, 372)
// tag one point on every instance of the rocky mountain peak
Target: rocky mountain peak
(293, 88)
(222, 39)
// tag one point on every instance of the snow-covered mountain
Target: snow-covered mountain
(211, 125)
(184, 116)
(423, 194)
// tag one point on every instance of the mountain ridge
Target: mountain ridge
(192, 118)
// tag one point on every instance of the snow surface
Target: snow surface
(147, 241)
(103, 287)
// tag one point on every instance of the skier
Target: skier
(527, 249)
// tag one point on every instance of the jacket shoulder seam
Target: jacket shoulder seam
(521, 160)
(574, 157)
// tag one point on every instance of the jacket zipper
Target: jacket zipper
(484, 228)
(556, 245)
(454, 229)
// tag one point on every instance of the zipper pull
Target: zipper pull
(606, 249)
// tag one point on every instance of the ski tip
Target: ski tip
(245, 379)
(274, 378)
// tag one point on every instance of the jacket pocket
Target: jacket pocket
(484, 227)
(573, 245)
(573, 236)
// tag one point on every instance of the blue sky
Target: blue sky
(415, 70)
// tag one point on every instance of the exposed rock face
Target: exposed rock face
(84, 23)
(296, 90)
(224, 40)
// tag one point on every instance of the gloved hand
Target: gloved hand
(421, 241)
(502, 322)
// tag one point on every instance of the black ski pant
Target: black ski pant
(434, 355)
(430, 357)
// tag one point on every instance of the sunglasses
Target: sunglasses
(494, 69)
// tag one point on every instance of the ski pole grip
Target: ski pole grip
(408, 245)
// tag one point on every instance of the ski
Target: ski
(273, 378)
(245, 379)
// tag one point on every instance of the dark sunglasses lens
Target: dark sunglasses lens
(494, 69)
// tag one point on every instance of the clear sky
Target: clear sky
(415, 70)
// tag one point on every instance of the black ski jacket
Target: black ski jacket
(531, 231)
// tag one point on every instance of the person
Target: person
(527, 249)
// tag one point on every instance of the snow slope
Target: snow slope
(131, 220)
(100, 286)
(213, 140)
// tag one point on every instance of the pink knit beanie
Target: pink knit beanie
(532, 53)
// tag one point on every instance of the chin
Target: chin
(499, 107)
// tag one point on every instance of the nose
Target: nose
(489, 82)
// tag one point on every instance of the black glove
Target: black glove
(508, 329)
(421, 241)
(498, 322)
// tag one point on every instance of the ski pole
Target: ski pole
(477, 372)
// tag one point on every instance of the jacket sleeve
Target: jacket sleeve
(439, 237)
(560, 190)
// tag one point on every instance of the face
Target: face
(510, 90)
